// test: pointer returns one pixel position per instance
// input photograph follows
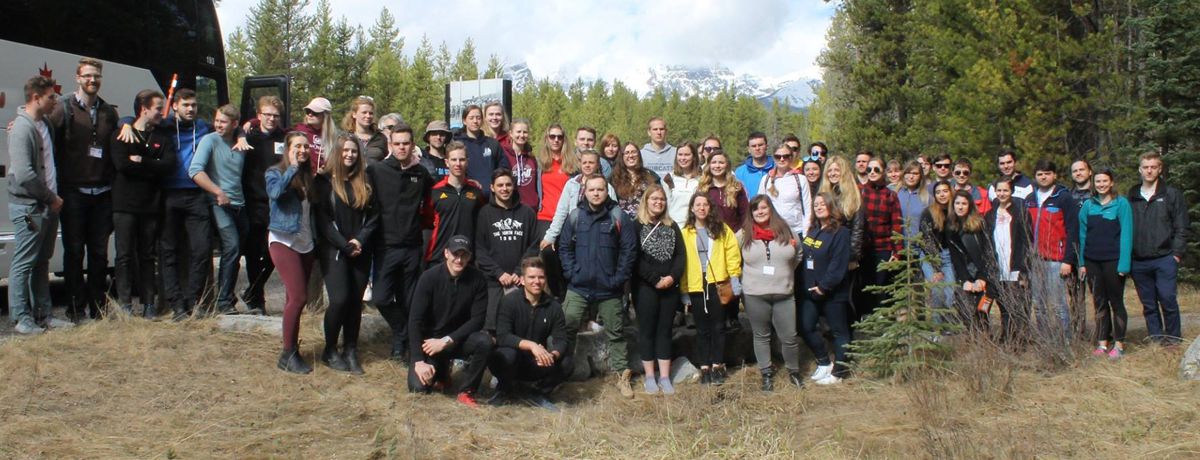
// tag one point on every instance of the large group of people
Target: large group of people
(489, 246)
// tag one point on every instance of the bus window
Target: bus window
(206, 97)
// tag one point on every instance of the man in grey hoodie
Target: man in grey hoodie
(33, 206)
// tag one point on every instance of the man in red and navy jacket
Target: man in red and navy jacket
(1053, 215)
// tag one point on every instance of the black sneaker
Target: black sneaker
(149, 311)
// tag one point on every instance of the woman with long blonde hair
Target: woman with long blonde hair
(838, 183)
(347, 214)
(725, 192)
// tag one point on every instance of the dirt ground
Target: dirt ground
(129, 388)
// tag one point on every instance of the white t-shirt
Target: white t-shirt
(49, 173)
(1146, 194)
(301, 241)
(1003, 237)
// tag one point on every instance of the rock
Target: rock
(374, 329)
(373, 326)
(251, 323)
(682, 371)
(1189, 367)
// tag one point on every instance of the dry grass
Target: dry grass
(127, 388)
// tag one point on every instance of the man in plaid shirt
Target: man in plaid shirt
(882, 209)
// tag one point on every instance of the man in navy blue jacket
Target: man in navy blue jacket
(598, 246)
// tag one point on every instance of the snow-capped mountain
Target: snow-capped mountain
(689, 81)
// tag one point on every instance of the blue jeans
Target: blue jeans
(29, 271)
(231, 223)
(941, 296)
(1155, 283)
(1050, 291)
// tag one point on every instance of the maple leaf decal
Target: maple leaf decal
(46, 72)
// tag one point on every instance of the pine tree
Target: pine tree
(495, 69)
(238, 62)
(465, 66)
(1170, 50)
(422, 96)
(387, 69)
(900, 336)
(443, 65)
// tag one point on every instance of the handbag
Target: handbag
(725, 292)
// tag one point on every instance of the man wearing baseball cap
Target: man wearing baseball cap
(437, 134)
(446, 322)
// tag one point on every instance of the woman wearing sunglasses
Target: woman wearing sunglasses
(883, 219)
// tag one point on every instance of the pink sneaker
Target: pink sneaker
(1115, 354)
(1099, 352)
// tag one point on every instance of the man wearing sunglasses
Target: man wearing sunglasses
(942, 165)
(757, 163)
(962, 181)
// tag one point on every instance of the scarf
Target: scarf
(763, 233)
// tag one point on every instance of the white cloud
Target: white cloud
(616, 39)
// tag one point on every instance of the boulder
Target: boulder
(251, 323)
(1189, 367)
(682, 371)
(374, 329)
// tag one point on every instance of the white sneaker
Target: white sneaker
(367, 293)
(829, 380)
(55, 323)
(595, 327)
(28, 327)
(822, 372)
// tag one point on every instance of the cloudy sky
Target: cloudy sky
(615, 39)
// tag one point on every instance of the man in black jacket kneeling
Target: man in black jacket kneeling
(531, 339)
(446, 322)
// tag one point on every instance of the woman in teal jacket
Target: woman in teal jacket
(1106, 243)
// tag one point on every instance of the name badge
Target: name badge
(95, 152)
(279, 148)
(768, 270)
(809, 264)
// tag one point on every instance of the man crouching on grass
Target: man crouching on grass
(446, 322)
(531, 335)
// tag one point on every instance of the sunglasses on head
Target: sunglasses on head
(813, 157)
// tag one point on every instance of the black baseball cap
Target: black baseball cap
(459, 243)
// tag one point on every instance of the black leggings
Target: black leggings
(836, 311)
(1108, 292)
(710, 327)
(345, 280)
(655, 314)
